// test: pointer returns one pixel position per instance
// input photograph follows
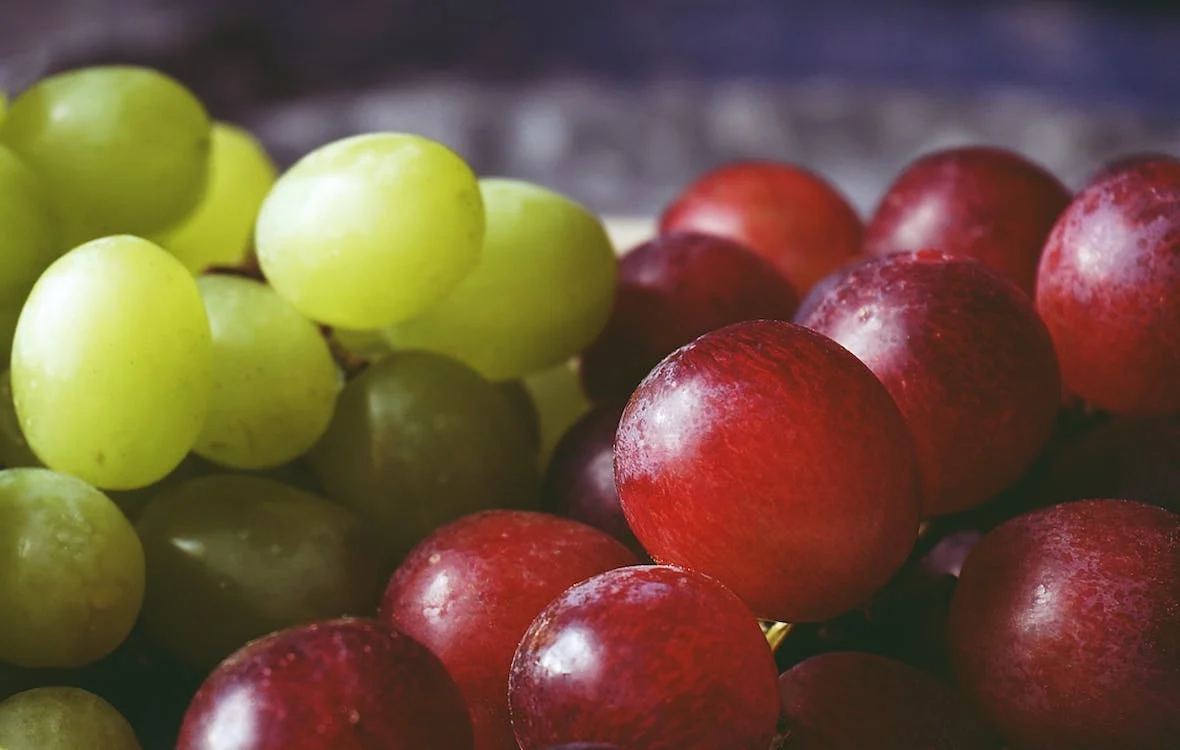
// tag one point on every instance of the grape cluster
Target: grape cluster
(378, 453)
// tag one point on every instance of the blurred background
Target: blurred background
(621, 102)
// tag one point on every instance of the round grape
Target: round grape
(29, 241)
(14, 449)
(560, 401)
(63, 718)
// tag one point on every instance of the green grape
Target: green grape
(8, 319)
(63, 718)
(125, 149)
(419, 440)
(14, 449)
(542, 290)
(231, 558)
(219, 232)
(371, 345)
(560, 401)
(274, 379)
(3, 106)
(28, 233)
(111, 363)
(522, 404)
(370, 230)
(71, 571)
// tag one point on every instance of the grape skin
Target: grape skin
(63, 718)
(29, 241)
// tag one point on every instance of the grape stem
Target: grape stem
(776, 632)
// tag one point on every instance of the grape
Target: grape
(821, 289)
(274, 379)
(123, 149)
(650, 658)
(371, 345)
(1064, 631)
(29, 241)
(1109, 291)
(14, 450)
(770, 458)
(850, 701)
(8, 320)
(63, 718)
(111, 363)
(522, 403)
(967, 360)
(71, 569)
(1124, 162)
(3, 106)
(471, 589)
(671, 290)
(232, 558)
(371, 230)
(220, 231)
(559, 400)
(981, 202)
(419, 440)
(540, 294)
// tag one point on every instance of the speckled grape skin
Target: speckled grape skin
(855, 701)
(769, 457)
(982, 202)
(1109, 290)
(967, 360)
(1065, 628)
(792, 217)
(471, 589)
(671, 290)
(348, 684)
(648, 658)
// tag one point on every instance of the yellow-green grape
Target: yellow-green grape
(3, 106)
(123, 148)
(541, 293)
(560, 402)
(274, 379)
(14, 449)
(71, 571)
(28, 235)
(63, 718)
(8, 318)
(111, 363)
(370, 230)
(372, 345)
(221, 229)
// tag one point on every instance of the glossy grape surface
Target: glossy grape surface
(29, 242)
(63, 718)
(649, 658)
(471, 589)
(792, 440)
(1063, 628)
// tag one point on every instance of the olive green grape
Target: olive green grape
(368, 231)
(121, 148)
(220, 231)
(542, 290)
(231, 558)
(419, 440)
(370, 345)
(63, 718)
(111, 363)
(28, 231)
(14, 449)
(71, 571)
(274, 380)
(8, 319)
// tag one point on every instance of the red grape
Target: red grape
(985, 203)
(852, 701)
(469, 591)
(792, 217)
(650, 658)
(768, 456)
(1065, 627)
(583, 746)
(348, 684)
(965, 357)
(1109, 291)
(580, 481)
(671, 290)
(1128, 161)
(822, 287)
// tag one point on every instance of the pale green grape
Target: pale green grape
(63, 718)
(542, 290)
(28, 234)
(274, 379)
(14, 449)
(124, 149)
(560, 401)
(221, 229)
(111, 363)
(370, 230)
(71, 571)
(372, 345)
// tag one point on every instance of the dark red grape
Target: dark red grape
(348, 684)
(965, 357)
(768, 456)
(1127, 161)
(649, 658)
(853, 701)
(1109, 291)
(671, 290)
(469, 591)
(792, 217)
(822, 288)
(583, 746)
(981, 202)
(580, 481)
(1065, 627)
